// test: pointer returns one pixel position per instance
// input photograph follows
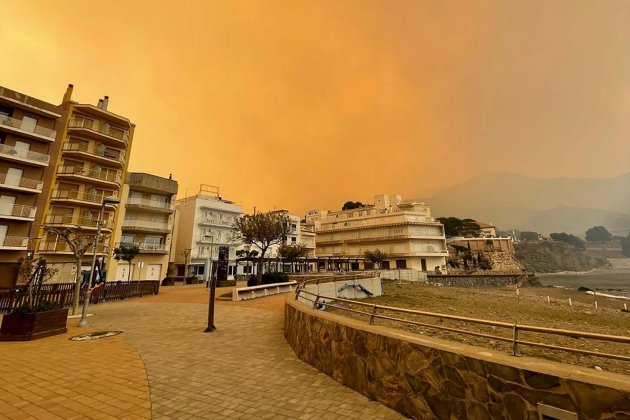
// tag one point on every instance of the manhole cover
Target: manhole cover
(95, 335)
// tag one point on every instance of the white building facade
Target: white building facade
(204, 222)
(404, 231)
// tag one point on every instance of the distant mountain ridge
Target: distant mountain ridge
(512, 201)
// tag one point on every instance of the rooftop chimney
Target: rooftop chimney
(68, 95)
(105, 103)
(100, 103)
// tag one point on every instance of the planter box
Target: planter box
(26, 327)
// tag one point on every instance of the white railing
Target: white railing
(150, 203)
(61, 246)
(24, 154)
(146, 224)
(90, 197)
(32, 184)
(109, 175)
(117, 155)
(144, 246)
(15, 242)
(106, 129)
(209, 221)
(19, 210)
(17, 124)
(253, 292)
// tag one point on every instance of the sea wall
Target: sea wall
(475, 280)
(427, 378)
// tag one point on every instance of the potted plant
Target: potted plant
(36, 317)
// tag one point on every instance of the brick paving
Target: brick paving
(55, 378)
(244, 370)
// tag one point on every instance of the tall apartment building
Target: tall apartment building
(404, 231)
(147, 209)
(27, 157)
(92, 164)
(203, 223)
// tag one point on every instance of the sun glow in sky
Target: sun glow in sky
(308, 104)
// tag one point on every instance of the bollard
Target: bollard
(570, 304)
(548, 300)
(86, 301)
(595, 304)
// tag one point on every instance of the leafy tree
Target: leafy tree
(291, 253)
(598, 234)
(26, 269)
(625, 246)
(262, 230)
(349, 205)
(375, 257)
(459, 227)
(569, 239)
(79, 243)
(528, 236)
(246, 253)
(126, 253)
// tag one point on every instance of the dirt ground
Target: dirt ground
(530, 307)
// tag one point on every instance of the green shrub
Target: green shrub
(42, 307)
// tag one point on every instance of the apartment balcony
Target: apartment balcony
(60, 247)
(14, 243)
(83, 198)
(21, 184)
(100, 131)
(147, 248)
(145, 226)
(23, 156)
(150, 205)
(105, 177)
(87, 223)
(15, 126)
(101, 155)
(17, 212)
(215, 222)
(209, 239)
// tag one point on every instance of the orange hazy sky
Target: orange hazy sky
(307, 104)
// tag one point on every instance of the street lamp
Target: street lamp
(213, 288)
(86, 298)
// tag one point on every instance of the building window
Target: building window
(385, 265)
(126, 239)
(293, 240)
(401, 263)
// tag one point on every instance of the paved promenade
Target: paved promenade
(243, 370)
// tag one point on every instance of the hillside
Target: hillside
(550, 257)
(518, 202)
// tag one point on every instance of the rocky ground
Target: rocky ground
(530, 307)
(549, 257)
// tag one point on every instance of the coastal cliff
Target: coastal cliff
(551, 257)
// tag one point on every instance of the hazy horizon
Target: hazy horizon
(306, 105)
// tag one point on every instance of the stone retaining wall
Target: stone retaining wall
(431, 378)
(463, 280)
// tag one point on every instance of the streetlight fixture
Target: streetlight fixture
(213, 288)
(86, 298)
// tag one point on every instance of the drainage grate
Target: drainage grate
(95, 335)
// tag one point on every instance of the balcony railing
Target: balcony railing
(109, 175)
(106, 129)
(90, 197)
(67, 219)
(210, 221)
(150, 203)
(18, 210)
(147, 224)
(15, 153)
(61, 246)
(27, 183)
(18, 124)
(15, 242)
(117, 155)
(145, 247)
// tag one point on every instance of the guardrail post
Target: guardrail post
(316, 302)
(515, 351)
(374, 308)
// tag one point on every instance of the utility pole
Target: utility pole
(212, 294)
(186, 254)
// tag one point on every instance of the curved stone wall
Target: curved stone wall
(431, 378)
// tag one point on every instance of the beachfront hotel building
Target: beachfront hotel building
(91, 165)
(404, 231)
(203, 223)
(147, 217)
(28, 137)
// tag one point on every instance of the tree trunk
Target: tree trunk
(261, 261)
(77, 287)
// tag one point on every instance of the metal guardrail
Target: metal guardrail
(515, 327)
